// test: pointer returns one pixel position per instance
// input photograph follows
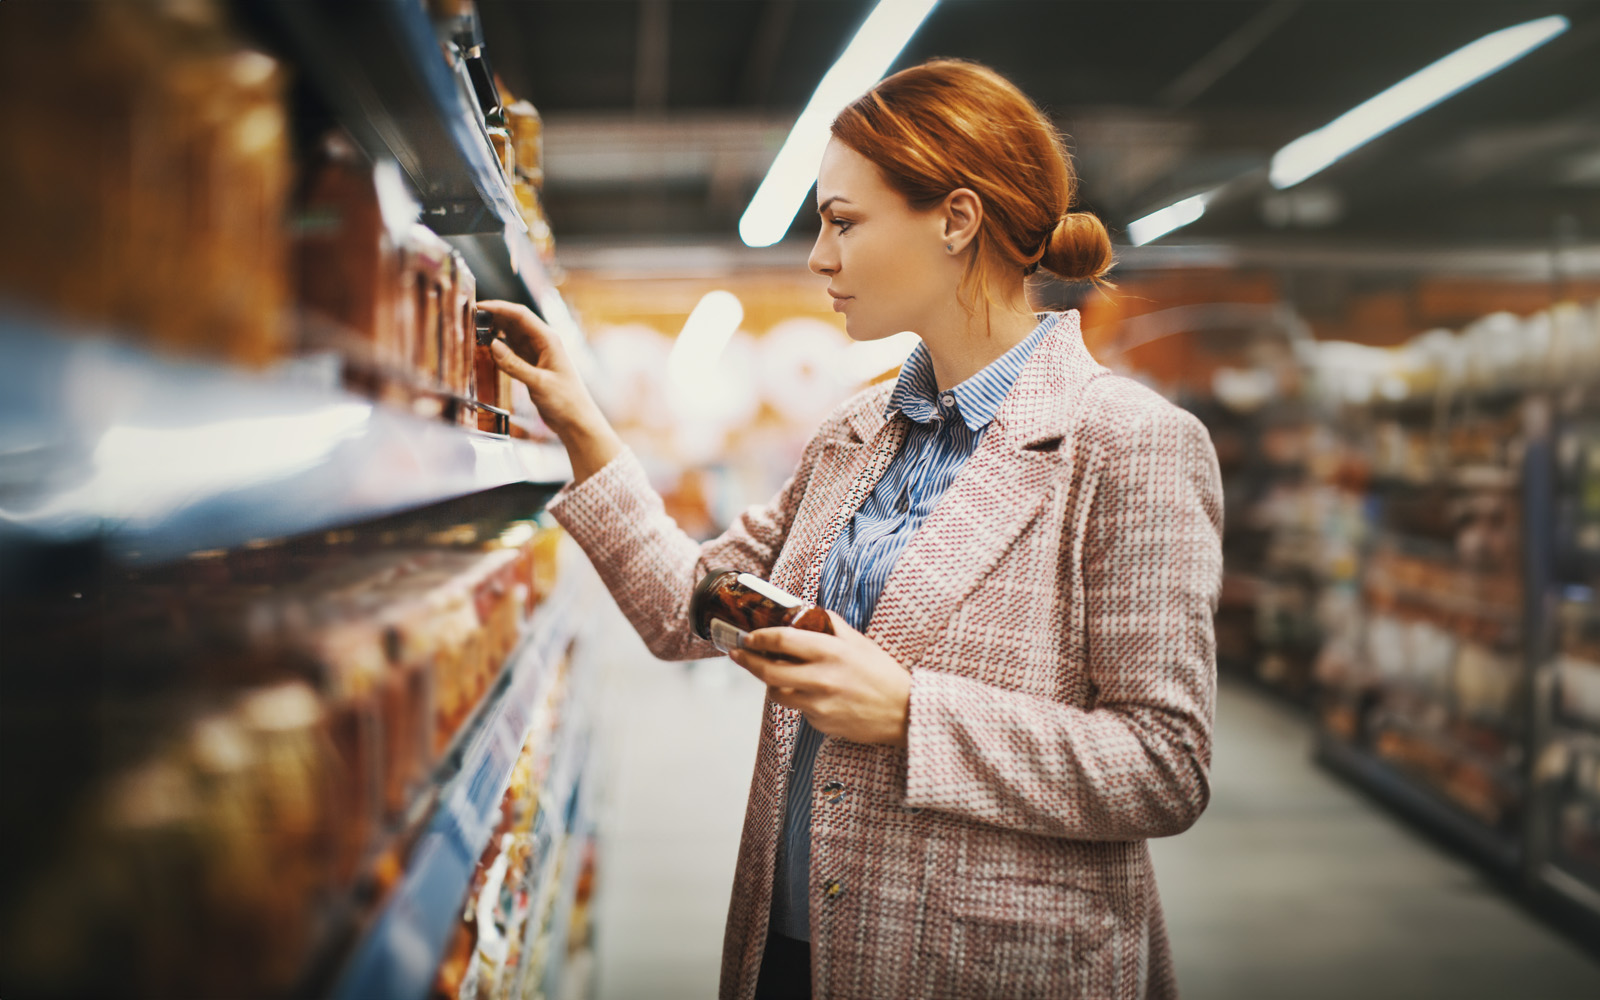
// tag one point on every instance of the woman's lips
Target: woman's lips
(839, 301)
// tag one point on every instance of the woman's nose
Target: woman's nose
(820, 261)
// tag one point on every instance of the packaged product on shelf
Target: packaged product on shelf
(347, 257)
(201, 864)
(456, 370)
(152, 173)
(1487, 685)
(524, 166)
(491, 385)
(1577, 664)
(527, 134)
(426, 263)
(488, 953)
(505, 149)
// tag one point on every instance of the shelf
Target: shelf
(1418, 802)
(1570, 887)
(382, 70)
(157, 458)
(507, 266)
(400, 954)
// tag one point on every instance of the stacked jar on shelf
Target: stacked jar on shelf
(192, 231)
(262, 726)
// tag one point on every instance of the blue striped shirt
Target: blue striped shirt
(944, 432)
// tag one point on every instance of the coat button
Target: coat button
(833, 791)
(833, 888)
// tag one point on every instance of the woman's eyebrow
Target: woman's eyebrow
(839, 198)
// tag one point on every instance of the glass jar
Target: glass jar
(728, 605)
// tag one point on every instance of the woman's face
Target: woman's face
(886, 264)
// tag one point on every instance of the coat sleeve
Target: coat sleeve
(650, 565)
(1136, 763)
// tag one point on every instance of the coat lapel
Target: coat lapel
(854, 469)
(1004, 486)
(848, 470)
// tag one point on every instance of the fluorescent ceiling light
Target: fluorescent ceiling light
(1163, 221)
(876, 45)
(1418, 92)
(715, 319)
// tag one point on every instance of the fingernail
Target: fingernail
(498, 347)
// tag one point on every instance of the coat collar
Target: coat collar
(916, 392)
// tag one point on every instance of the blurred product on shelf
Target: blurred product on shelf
(1578, 657)
(146, 184)
(180, 232)
(398, 300)
(527, 132)
(1412, 548)
(523, 160)
(347, 252)
(515, 881)
(269, 722)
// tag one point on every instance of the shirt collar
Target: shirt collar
(976, 400)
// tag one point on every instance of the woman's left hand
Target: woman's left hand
(845, 684)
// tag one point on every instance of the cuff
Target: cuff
(928, 738)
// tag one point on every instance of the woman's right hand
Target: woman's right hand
(533, 354)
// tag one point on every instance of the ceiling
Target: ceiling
(662, 115)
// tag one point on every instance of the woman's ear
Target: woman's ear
(963, 213)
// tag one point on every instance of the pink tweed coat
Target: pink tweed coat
(1055, 613)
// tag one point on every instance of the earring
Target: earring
(950, 247)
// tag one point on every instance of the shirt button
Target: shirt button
(833, 791)
(947, 399)
(833, 888)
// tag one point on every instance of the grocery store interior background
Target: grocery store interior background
(302, 694)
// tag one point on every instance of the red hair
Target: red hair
(949, 124)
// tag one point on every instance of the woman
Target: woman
(1021, 555)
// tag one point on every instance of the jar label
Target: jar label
(771, 593)
(726, 637)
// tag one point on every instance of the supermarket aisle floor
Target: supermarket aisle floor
(1292, 885)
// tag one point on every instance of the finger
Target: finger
(507, 361)
(799, 643)
(840, 626)
(527, 334)
(775, 673)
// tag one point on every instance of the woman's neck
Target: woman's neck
(967, 345)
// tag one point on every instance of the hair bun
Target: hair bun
(1079, 248)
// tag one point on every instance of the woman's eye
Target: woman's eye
(844, 225)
